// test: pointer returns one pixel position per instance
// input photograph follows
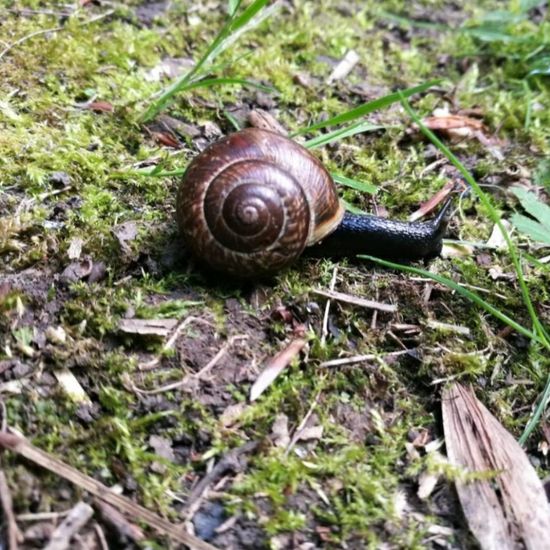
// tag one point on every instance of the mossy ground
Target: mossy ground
(356, 484)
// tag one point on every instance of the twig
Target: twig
(327, 308)
(3, 417)
(229, 463)
(171, 341)
(14, 535)
(197, 375)
(361, 358)
(22, 447)
(70, 526)
(27, 37)
(355, 300)
(101, 538)
(54, 29)
(42, 516)
(300, 428)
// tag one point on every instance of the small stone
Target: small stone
(60, 179)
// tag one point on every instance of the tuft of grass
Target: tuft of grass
(236, 25)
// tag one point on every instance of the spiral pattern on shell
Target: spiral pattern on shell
(250, 203)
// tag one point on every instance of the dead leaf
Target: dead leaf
(125, 233)
(275, 366)
(279, 430)
(100, 107)
(76, 271)
(167, 139)
(497, 240)
(454, 126)
(506, 507)
(431, 204)
(266, 121)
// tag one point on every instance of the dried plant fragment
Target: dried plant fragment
(505, 505)
(275, 366)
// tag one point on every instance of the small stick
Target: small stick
(327, 308)
(300, 428)
(22, 447)
(198, 375)
(70, 526)
(171, 341)
(228, 463)
(361, 358)
(355, 300)
(14, 535)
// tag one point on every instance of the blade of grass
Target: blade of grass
(354, 184)
(472, 296)
(367, 108)
(336, 135)
(233, 28)
(352, 208)
(534, 420)
(484, 199)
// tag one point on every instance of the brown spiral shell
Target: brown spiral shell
(250, 203)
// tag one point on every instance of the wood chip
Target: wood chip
(71, 386)
(22, 447)
(506, 506)
(148, 327)
(355, 300)
(275, 366)
(70, 526)
(344, 67)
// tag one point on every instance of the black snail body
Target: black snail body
(249, 205)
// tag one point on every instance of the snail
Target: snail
(249, 205)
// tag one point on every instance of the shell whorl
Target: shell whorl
(250, 203)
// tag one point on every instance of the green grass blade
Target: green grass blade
(342, 133)
(352, 208)
(233, 6)
(230, 32)
(367, 108)
(534, 420)
(354, 184)
(483, 198)
(472, 296)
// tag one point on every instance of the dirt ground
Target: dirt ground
(95, 280)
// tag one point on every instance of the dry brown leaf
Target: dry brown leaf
(100, 107)
(507, 508)
(275, 366)
(447, 123)
(431, 204)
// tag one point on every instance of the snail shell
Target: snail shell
(250, 203)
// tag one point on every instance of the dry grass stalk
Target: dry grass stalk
(12, 531)
(70, 526)
(505, 505)
(355, 300)
(22, 447)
